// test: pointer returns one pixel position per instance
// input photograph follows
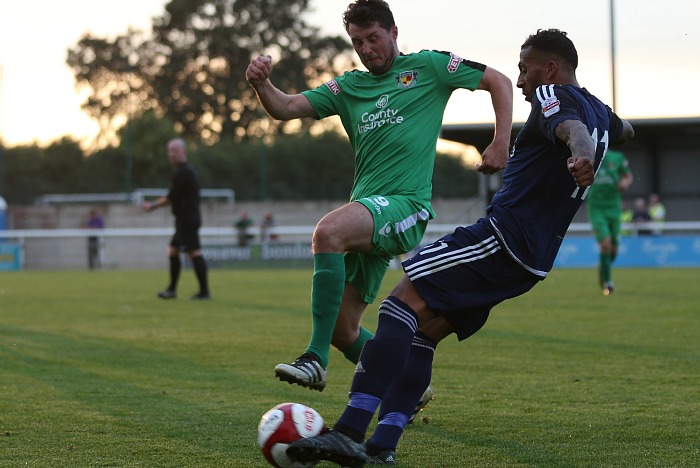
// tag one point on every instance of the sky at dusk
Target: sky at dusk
(657, 52)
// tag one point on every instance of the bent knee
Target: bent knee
(326, 238)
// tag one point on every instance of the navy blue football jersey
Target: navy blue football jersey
(538, 199)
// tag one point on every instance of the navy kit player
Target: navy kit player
(451, 285)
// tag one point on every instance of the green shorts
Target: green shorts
(399, 225)
(605, 223)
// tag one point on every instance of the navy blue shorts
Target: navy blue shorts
(464, 274)
(186, 237)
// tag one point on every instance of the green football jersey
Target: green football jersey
(393, 120)
(604, 191)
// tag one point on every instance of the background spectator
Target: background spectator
(625, 219)
(266, 226)
(243, 223)
(657, 211)
(640, 216)
(94, 221)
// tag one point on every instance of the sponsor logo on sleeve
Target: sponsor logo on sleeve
(333, 86)
(550, 106)
(453, 65)
(548, 100)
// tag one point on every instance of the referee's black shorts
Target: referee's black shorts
(186, 237)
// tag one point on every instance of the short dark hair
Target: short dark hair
(365, 13)
(556, 42)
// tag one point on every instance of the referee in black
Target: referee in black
(183, 198)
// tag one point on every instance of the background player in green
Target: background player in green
(392, 115)
(604, 204)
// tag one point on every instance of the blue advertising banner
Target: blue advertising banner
(9, 257)
(640, 251)
(577, 251)
(272, 254)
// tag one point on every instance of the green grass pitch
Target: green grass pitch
(96, 372)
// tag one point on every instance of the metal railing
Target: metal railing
(53, 244)
(136, 197)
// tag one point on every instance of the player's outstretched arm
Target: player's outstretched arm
(495, 156)
(626, 135)
(575, 134)
(277, 104)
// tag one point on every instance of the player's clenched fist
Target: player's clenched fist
(582, 171)
(259, 70)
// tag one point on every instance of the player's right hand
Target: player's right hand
(582, 171)
(493, 159)
(259, 70)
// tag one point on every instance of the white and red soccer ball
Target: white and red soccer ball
(284, 424)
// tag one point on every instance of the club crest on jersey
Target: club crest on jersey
(333, 86)
(407, 79)
(453, 65)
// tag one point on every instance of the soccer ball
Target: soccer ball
(284, 424)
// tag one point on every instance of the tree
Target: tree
(293, 167)
(303, 167)
(35, 170)
(451, 179)
(192, 67)
(143, 142)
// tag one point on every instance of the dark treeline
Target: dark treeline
(293, 167)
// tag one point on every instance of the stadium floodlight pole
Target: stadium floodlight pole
(612, 55)
(262, 157)
(128, 169)
(262, 153)
(127, 159)
(2, 138)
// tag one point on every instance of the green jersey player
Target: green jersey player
(604, 204)
(392, 114)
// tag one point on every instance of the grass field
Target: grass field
(96, 372)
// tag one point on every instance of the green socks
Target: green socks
(605, 267)
(352, 353)
(327, 289)
(326, 295)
